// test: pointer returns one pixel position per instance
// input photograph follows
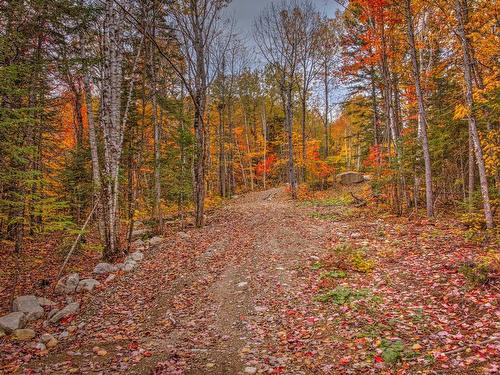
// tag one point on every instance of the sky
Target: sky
(245, 11)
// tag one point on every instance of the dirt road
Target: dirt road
(240, 297)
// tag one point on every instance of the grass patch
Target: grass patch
(341, 201)
(342, 295)
(373, 330)
(316, 266)
(394, 352)
(336, 274)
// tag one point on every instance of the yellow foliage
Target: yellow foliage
(461, 112)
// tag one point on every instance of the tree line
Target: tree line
(126, 109)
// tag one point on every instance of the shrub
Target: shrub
(484, 270)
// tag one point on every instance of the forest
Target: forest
(336, 164)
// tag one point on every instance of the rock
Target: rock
(103, 268)
(12, 321)
(250, 370)
(138, 244)
(155, 241)
(138, 224)
(139, 233)
(99, 351)
(72, 329)
(129, 265)
(52, 343)
(52, 313)
(46, 337)
(350, 178)
(63, 334)
(60, 286)
(260, 308)
(243, 284)
(355, 235)
(109, 278)
(23, 334)
(40, 346)
(42, 301)
(184, 235)
(120, 266)
(68, 284)
(72, 282)
(136, 256)
(69, 310)
(87, 285)
(29, 306)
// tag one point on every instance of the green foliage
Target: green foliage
(336, 274)
(392, 351)
(316, 266)
(342, 295)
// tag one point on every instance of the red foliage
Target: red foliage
(265, 165)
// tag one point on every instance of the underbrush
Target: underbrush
(483, 270)
(356, 259)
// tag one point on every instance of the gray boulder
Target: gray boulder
(183, 235)
(155, 241)
(129, 265)
(42, 301)
(68, 284)
(350, 178)
(138, 224)
(138, 244)
(12, 321)
(136, 256)
(139, 233)
(87, 285)
(29, 306)
(69, 310)
(103, 268)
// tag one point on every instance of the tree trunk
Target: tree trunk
(222, 157)
(289, 125)
(157, 133)
(421, 110)
(471, 171)
(112, 125)
(461, 14)
(327, 110)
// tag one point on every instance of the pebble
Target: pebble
(24, 334)
(52, 343)
(250, 370)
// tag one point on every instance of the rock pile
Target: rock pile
(30, 307)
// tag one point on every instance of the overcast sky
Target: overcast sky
(245, 11)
